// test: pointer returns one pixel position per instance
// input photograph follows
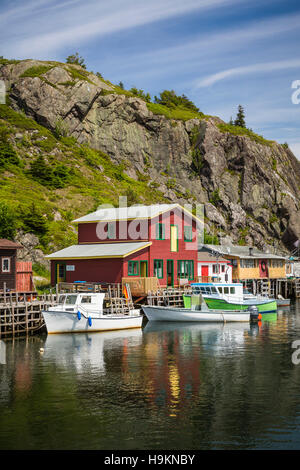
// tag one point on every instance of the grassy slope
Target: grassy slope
(93, 179)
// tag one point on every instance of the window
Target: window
(215, 269)
(185, 269)
(232, 290)
(159, 268)
(248, 263)
(86, 299)
(160, 231)
(277, 263)
(133, 268)
(220, 289)
(111, 230)
(223, 268)
(6, 265)
(71, 299)
(226, 290)
(188, 233)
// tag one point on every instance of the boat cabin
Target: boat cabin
(86, 301)
(225, 291)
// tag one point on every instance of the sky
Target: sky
(219, 53)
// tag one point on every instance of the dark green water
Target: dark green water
(164, 387)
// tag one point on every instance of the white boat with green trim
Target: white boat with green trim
(230, 296)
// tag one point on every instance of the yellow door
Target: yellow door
(60, 273)
(143, 269)
(174, 237)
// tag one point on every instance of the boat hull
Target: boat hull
(268, 306)
(158, 313)
(65, 322)
(283, 302)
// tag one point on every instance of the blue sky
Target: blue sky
(219, 53)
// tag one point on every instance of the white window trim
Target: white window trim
(9, 265)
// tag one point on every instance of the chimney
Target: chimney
(250, 251)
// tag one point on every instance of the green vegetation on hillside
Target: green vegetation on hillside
(48, 180)
(237, 130)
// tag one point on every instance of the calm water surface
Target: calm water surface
(167, 386)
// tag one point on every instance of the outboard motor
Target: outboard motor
(254, 313)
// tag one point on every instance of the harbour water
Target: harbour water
(167, 386)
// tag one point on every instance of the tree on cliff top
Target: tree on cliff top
(240, 117)
(76, 59)
(171, 100)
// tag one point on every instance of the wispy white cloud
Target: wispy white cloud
(91, 19)
(248, 69)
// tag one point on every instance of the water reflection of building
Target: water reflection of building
(177, 359)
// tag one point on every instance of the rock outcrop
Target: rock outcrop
(250, 187)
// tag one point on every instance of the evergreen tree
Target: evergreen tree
(76, 59)
(7, 222)
(240, 117)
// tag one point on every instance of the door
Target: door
(60, 273)
(204, 273)
(144, 268)
(263, 268)
(170, 272)
(174, 237)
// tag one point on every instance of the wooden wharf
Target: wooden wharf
(287, 288)
(21, 312)
(172, 297)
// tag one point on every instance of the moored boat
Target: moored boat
(198, 312)
(226, 296)
(85, 312)
(282, 302)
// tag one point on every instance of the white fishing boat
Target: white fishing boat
(282, 302)
(199, 312)
(85, 312)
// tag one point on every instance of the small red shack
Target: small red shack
(15, 275)
(138, 241)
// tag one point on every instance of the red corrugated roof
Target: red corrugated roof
(9, 244)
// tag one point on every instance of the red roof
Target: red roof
(9, 244)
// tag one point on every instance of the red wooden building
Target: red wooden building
(140, 241)
(14, 275)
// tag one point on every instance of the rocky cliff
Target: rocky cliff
(250, 186)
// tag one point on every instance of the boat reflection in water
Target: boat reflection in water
(86, 351)
(221, 335)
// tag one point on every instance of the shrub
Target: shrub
(215, 197)
(171, 100)
(76, 59)
(140, 94)
(56, 176)
(7, 152)
(36, 71)
(8, 222)
(33, 220)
